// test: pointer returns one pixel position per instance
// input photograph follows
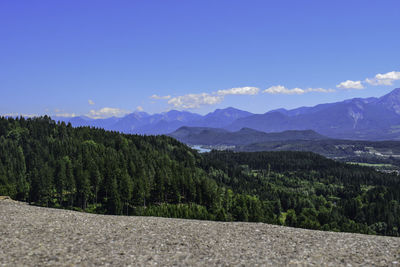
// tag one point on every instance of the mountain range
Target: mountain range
(161, 123)
(357, 118)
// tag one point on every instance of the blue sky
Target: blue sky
(55, 56)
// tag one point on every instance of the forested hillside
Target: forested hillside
(56, 165)
(313, 192)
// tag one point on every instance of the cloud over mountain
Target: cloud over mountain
(197, 100)
(194, 100)
(107, 112)
(66, 115)
(384, 79)
(158, 97)
(279, 89)
(247, 90)
(379, 79)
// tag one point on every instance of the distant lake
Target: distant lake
(201, 149)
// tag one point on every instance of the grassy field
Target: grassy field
(385, 167)
(380, 165)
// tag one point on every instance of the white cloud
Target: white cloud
(195, 100)
(160, 97)
(320, 90)
(279, 89)
(350, 85)
(66, 115)
(20, 114)
(239, 91)
(91, 102)
(379, 79)
(106, 113)
(139, 108)
(384, 79)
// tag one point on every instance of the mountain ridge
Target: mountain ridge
(245, 136)
(356, 118)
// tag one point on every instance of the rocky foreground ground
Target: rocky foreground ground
(35, 236)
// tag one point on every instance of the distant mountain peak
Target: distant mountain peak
(229, 110)
(391, 100)
(139, 114)
(361, 100)
(281, 110)
(396, 91)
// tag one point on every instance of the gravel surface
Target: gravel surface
(35, 236)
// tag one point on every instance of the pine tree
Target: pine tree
(126, 189)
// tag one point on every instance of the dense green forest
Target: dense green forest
(55, 165)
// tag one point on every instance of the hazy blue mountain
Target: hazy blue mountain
(130, 122)
(390, 101)
(358, 118)
(104, 123)
(75, 121)
(223, 117)
(86, 121)
(166, 122)
(217, 136)
(162, 123)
